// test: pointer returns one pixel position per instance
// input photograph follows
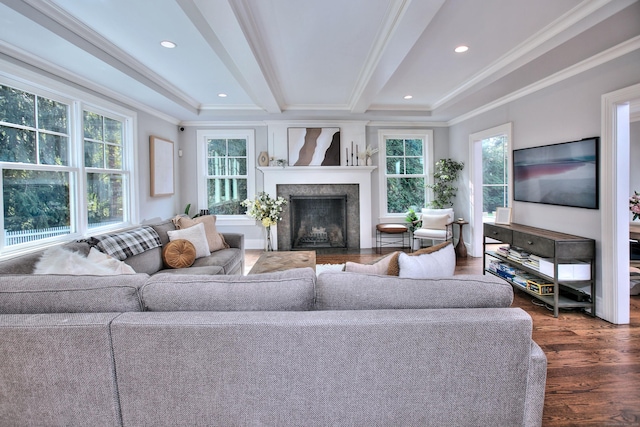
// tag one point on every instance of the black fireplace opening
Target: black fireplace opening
(318, 221)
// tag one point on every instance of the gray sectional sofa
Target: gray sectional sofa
(224, 261)
(277, 349)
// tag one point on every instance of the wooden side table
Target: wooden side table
(461, 249)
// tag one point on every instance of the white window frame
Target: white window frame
(77, 101)
(202, 137)
(383, 135)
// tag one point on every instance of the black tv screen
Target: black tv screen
(563, 174)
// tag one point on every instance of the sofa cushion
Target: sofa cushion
(195, 235)
(57, 370)
(214, 239)
(435, 221)
(379, 266)
(127, 243)
(149, 262)
(354, 291)
(440, 263)
(179, 253)
(30, 294)
(229, 259)
(207, 270)
(394, 266)
(279, 291)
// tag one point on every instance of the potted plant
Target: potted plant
(446, 173)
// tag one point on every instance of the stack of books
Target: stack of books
(503, 250)
(518, 255)
(533, 262)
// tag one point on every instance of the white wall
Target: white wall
(153, 208)
(566, 111)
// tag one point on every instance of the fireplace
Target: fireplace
(318, 222)
(319, 216)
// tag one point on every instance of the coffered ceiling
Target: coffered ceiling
(312, 59)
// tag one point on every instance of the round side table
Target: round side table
(461, 249)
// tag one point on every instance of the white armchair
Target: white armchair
(437, 224)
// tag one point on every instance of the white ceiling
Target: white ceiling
(310, 59)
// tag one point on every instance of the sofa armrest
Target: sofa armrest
(536, 382)
(234, 240)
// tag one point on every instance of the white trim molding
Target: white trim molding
(614, 264)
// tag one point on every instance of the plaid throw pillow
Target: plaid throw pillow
(125, 244)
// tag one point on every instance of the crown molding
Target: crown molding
(529, 46)
(46, 68)
(54, 18)
(582, 66)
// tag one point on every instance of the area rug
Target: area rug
(320, 268)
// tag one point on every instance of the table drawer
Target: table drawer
(534, 244)
(498, 233)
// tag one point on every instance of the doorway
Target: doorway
(615, 150)
(483, 187)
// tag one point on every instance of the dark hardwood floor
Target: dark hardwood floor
(593, 371)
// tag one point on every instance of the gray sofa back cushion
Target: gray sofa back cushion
(280, 291)
(57, 370)
(356, 291)
(359, 368)
(70, 294)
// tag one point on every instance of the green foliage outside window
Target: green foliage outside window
(227, 175)
(494, 174)
(405, 173)
(35, 132)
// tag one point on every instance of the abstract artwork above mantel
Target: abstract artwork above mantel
(314, 146)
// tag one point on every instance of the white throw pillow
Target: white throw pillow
(435, 221)
(441, 263)
(104, 260)
(195, 235)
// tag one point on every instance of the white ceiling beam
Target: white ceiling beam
(405, 22)
(219, 26)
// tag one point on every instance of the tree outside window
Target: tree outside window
(404, 156)
(495, 184)
(41, 175)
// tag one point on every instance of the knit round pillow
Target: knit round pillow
(179, 253)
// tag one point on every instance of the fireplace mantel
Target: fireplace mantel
(361, 175)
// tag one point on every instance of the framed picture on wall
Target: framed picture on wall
(161, 167)
(314, 146)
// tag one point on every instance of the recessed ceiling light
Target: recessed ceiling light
(461, 49)
(408, 96)
(222, 95)
(168, 44)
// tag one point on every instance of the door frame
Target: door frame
(475, 181)
(614, 151)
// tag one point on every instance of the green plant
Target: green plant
(413, 220)
(446, 172)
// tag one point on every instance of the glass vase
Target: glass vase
(268, 246)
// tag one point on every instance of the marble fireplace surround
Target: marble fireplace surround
(329, 175)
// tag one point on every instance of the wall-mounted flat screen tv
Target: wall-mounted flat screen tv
(563, 174)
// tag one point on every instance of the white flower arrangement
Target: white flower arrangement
(368, 152)
(265, 209)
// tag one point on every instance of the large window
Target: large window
(405, 159)
(53, 184)
(226, 170)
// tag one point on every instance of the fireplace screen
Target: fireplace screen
(318, 221)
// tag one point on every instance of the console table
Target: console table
(561, 250)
